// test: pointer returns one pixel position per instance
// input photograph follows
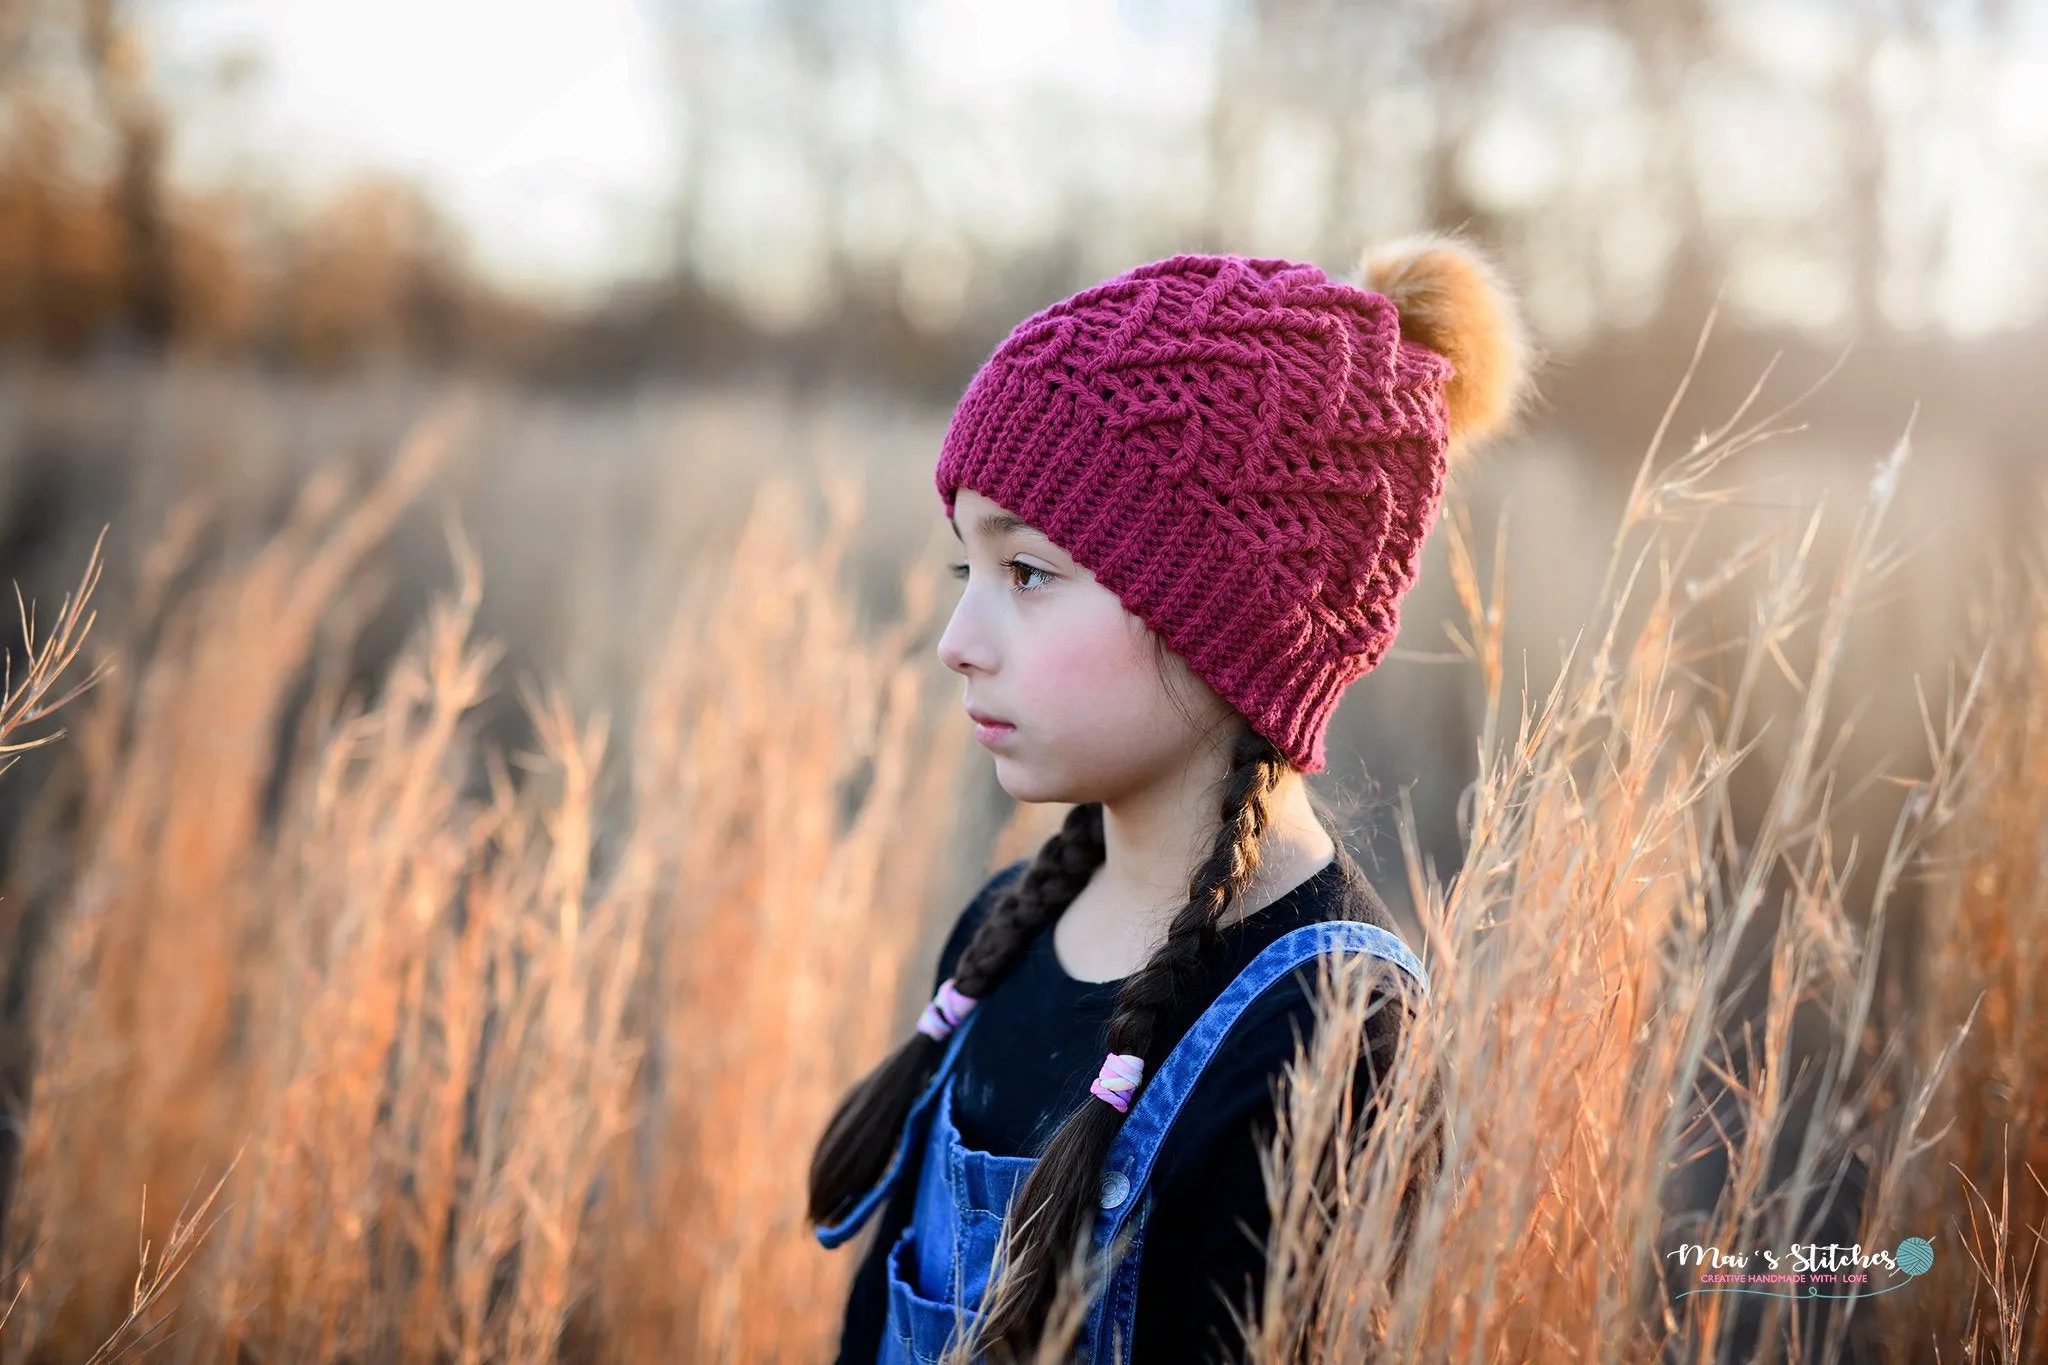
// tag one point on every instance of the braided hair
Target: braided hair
(858, 1140)
(1055, 1208)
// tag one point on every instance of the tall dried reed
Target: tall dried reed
(1976, 976)
(1593, 1021)
(504, 1058)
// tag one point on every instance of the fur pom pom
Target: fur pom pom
(1452, 300)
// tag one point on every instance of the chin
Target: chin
(1026, 783)
(1047, 786)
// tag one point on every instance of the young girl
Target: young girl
(1190, 499)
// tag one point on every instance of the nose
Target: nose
(962, 645)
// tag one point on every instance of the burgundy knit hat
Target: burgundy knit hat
(1248, 453)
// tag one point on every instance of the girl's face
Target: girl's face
(1090, 706)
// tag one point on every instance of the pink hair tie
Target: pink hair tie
(1121, 1072)
(945, 1012)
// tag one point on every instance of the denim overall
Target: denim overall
(938, 1269)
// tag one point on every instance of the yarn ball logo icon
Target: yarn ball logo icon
(1915, 1256)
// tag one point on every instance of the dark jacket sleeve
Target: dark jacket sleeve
(1204, 1253)
(860, 1332)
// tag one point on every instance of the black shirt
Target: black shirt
(1039, 1041)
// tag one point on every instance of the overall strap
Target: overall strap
(1136, 1146)
(843, 1228)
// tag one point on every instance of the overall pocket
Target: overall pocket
(919, 1328)
(984, 1186)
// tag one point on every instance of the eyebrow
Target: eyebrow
(993, 524)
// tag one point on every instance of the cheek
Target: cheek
(1095, 678)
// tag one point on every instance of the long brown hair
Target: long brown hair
(1055, 1208)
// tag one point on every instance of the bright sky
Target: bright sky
(544, 125)
(548, 129)
(541, 124)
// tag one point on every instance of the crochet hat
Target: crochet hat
(1248, 453)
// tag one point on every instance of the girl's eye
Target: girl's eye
(1015, 566)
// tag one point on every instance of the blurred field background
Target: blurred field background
(523, 792)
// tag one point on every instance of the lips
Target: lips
(988, 729)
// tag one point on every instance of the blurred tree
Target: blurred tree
(1828, 165)
(100, 247)
(871, 188)
(119, 68)
(59, 251)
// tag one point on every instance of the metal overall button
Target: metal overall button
(1116, 1187)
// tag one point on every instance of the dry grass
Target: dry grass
(1979, 975)
(1594, 1021)
(512, 1052)
(34, 698)
(512, 1057)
